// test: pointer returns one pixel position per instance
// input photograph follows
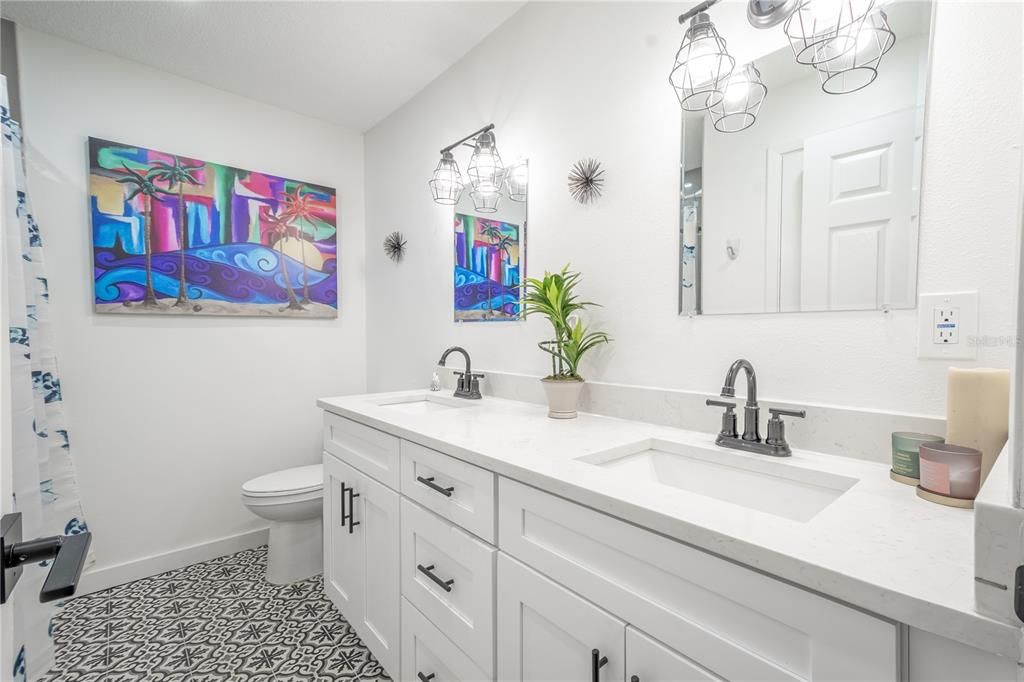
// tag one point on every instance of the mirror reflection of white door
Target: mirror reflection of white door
(858, 240)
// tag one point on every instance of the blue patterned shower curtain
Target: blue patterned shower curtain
(43, 483)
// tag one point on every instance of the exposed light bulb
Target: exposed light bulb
(736, 90)
(704, 62)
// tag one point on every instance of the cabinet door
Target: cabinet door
(548, 634)
(650, 661)
(342, 550)
(362, 567)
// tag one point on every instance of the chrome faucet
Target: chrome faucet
(750, 441)
(751, 411)
(468, 384)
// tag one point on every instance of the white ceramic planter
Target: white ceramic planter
(563, 397)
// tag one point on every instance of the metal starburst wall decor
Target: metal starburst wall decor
(586, 179)
(394, 246)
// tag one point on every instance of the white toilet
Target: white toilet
(292, 500)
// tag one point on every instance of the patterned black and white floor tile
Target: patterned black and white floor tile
(218, 621)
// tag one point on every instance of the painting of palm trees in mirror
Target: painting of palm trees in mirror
(488, 269)
(177, 235)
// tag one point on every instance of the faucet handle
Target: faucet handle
(780, 412)
(777, 427)
(728, 417)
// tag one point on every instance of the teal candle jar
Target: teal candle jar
(906, 447)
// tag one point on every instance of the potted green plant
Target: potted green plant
(555, 298)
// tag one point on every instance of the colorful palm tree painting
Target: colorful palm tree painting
(488, 269)
(177, 235)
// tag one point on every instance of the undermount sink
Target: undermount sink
(756, 482)
(423, 403)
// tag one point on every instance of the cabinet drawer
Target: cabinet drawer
(373, 452)
(652, 661)
(449, 576)
(456, 490)
(427, 652)
(739, 623)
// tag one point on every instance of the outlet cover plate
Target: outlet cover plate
(948, 326)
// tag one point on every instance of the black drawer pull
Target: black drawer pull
(425, 678)
(597, 661)
(429, 482)
(445, 585)
(344, 495)
(634, 679)
(352, 523)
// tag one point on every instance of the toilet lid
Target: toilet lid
(294, 480)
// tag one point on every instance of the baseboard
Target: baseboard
(94, 580)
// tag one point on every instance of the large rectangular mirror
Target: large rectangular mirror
(815, 205)
(490, 251)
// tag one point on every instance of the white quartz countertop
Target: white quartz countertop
(878, 546)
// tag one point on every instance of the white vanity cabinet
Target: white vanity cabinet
(361, 556)
(738, 623)
(405, 556)
(450, 573)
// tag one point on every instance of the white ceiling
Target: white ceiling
(351, 63)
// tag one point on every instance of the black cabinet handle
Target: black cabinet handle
(344, 514)
(425, 678)
(429, 482)
(352, 523)
(597, 661)
(445, 585)
(634, 679)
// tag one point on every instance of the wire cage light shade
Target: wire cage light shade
(702, 62)
(820, 31)
(858, 68)
(517, 181)
(446, 183)
(485, 170)
(742, 95)
(485, 202)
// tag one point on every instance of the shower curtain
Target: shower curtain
(44, 487)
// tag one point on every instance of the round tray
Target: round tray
(899, 478)
(944, 499)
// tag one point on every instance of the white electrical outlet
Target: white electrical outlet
(948, 325)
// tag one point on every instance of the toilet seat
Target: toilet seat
(300, 482)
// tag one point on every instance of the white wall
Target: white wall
(169, 416)
(566, 81)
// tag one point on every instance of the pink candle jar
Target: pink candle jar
(951, 470)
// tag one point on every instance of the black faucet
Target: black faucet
(468, 385)
(750, 441)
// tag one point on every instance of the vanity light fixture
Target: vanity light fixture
(768, 13)
(858, 68)
(742, 95)
(446, 183)
(821, 31)
(702, 62)
(517, 180)
(485, 202)
(485, 171)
